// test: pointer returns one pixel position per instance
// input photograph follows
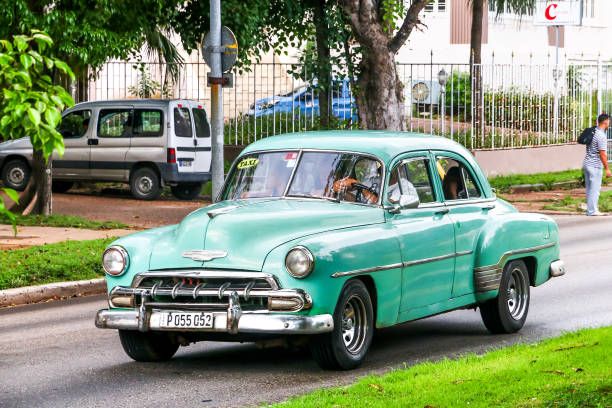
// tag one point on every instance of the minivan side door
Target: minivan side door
(148, 137)
(426, 236)
(75, 129)
(110, 143)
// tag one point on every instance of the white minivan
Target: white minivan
(147, 143)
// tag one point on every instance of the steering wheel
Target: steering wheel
(359, 193)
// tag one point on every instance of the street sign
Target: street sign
(558, 13)
(228, 49)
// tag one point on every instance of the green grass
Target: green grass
(59, 220)
(574, 370)
(571, 204)
(503, 183)
(59, 262)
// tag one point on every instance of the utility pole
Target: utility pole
(216, 80)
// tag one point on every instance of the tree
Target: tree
(379, 89)
(31, 105)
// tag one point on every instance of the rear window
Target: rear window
(114, 123)
(201, 123)
(147, 123)
(182, 122)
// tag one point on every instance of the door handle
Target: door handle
(488, 207)
(442, 211)
(92, 142)
(195, 142)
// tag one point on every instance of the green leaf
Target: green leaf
(52, 116)
(24, 77)
(34, 116)
(44, 37)
(7, 45)
(21, 42)
(13, 195)
(26, 61)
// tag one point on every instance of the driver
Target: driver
(367, 189)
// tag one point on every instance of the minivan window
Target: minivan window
(74, 124)
(201, 123)
(182, 122)
(147, 123)
(114, 123)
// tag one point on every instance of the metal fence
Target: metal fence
(500, 105)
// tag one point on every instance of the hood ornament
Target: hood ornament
(204, 255)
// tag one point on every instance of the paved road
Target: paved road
(51, 355)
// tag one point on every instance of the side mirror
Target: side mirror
(408, 201)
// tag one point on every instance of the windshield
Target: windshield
(334, 176)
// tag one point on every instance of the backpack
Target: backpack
(586, 136)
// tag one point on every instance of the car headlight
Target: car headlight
(115, 260)
(299, 262)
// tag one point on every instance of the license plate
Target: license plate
(187, 320)
(184, 163)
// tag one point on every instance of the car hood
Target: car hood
(13, 144)
(250, 229)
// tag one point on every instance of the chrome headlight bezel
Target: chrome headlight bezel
(308, 256)
(125, 259)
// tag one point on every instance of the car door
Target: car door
(426, 235)
(469, 211)
(147, 142)
(203, 154)
(75, 128)
(182, 137)
(110, 143)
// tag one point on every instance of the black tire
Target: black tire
(61, 186)
(145, 185)
(147, 347)
(342, 349)
(16, 174)
(507, 313)
(187, 191)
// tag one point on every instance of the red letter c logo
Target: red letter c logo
(547, 12)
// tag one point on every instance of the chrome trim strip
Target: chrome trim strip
(207, 274)
(506, 255)
(247, 323)
(470, 201)
(400, 264)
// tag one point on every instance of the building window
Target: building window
(435, 6)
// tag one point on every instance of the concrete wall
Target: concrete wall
(530, 160)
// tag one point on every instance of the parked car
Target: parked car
(330, 235)
(305, 99)
(146, 143)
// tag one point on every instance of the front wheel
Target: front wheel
(347, 345)
(16, 174)
(147, 347)
(186, 191)
(507, 313)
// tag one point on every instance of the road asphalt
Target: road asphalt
(51, 355)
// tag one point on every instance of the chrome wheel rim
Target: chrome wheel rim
(16, 175)
(145, 184)
(354, 324)
(517, 293)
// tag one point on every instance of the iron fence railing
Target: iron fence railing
(491, 106)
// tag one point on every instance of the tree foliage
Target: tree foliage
(30, 103)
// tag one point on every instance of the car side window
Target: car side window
(114, 123)
(201, 123)
(182, 122)
(457, 181)
(413, 174)
(147, 123)
(75, 124)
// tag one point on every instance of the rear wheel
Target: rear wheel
(186, 191)
(507, 313)
(147, 346)
(61, 186)
(347, 345)
(145, 185)
(16, 174)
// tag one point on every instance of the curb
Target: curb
(525, 188)
(32, 294)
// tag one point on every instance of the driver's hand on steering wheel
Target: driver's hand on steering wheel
(343, 184)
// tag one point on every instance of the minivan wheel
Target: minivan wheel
(16, 174)
(187, 191)
(147, 346)
(347, 345)
(507, 312)
(144, 184)
(61, 186)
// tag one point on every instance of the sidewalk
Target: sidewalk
(28, 236)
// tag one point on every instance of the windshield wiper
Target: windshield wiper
(335, 200)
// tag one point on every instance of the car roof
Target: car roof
(162, 102)
(382, 143)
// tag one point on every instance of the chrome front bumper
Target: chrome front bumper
(557, 268)
(224, 322)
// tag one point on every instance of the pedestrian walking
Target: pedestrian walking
(595, 161)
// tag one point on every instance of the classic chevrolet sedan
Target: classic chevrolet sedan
(325, 236)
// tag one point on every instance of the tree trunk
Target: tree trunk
(475, 65)
(379, 96)
(323, 63)
(41, 177)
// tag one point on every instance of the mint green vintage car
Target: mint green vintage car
(326, 236)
